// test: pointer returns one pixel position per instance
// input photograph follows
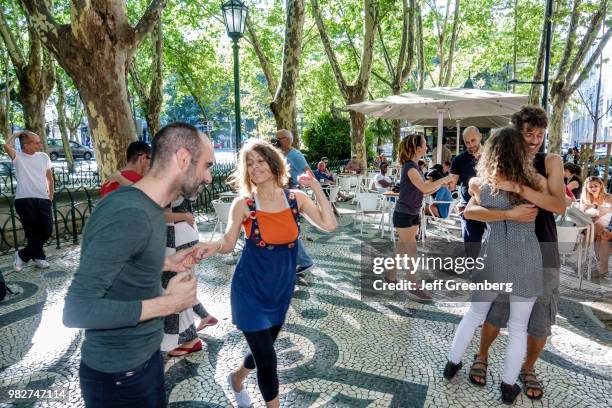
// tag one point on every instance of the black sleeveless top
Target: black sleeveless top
(545, 227)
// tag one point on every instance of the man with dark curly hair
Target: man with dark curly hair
(531, 121)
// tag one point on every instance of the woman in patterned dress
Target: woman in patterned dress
(180, 331)
(510, 251)
(264, 279)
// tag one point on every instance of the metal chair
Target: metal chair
(444, 226)
(222, 210)
(368, 204)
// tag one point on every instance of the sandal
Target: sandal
(206, 322)
(530, 382)
(451, 369)
(185, 350)
(478, 370)
(509, 392)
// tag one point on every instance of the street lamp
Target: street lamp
(234, 16)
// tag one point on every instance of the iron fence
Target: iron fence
(75, 199)
(76, 194)
(85, 174)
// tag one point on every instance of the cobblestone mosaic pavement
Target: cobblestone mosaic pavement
(335, 351)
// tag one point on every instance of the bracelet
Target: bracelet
(219, 246)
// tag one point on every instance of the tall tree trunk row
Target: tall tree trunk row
(63, 122)
(96, 57)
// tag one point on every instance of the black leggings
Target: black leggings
(263, 357)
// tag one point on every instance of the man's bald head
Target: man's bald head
(29, 141)
(471, 130)
(286, 139)
(472, 139)
(285, 133)
(173, 137)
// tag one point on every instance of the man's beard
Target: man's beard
(190, 186)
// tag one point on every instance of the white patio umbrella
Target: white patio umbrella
(478, 121)
(441, 104)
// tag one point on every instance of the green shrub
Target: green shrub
(329, 136)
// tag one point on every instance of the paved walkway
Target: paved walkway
(335, 351)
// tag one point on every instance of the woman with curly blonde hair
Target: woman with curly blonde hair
(598, 204)
(264, 279)
(510, 252)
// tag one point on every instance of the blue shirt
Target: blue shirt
(319, 176)
(464, 165)
(443, 194)
(297, 164)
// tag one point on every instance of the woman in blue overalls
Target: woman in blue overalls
(264, 279)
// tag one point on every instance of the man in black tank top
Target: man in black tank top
(532, 122)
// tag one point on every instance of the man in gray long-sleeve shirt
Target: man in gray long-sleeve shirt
(116, 293)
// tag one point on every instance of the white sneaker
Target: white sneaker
(242, 397)
(18, 265)
(41, 263)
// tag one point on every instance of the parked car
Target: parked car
(56, 149)
(6, 168)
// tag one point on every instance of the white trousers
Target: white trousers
(520, 311)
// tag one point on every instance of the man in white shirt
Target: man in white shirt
(382, 182)
(33, 196)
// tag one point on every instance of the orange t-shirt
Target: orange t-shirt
(276, 228)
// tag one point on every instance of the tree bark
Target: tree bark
(555, 126)
(397, 135)
(62, 121)
(151, 99)
(451, 49)
(567, 78)
(357, 92)
(95, 50)
(5, 101)
(535, 93)
(283, 105)
(283, 92)
(420, 46)
(36, 76)
(156, 92)
(358, 147)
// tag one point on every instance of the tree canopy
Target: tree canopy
(299, 60)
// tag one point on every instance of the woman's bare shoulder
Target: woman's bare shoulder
(476, 183)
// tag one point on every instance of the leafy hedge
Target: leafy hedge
(329, 136)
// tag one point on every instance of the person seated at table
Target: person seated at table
(354, 166)
(598, 204)
(572, 179)
(382, 182)
(327, 171)
(326, 178)
(380, 159)
(570, 195)
(446, 168)
(439, 210)
(423, 167)
(322, 175)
